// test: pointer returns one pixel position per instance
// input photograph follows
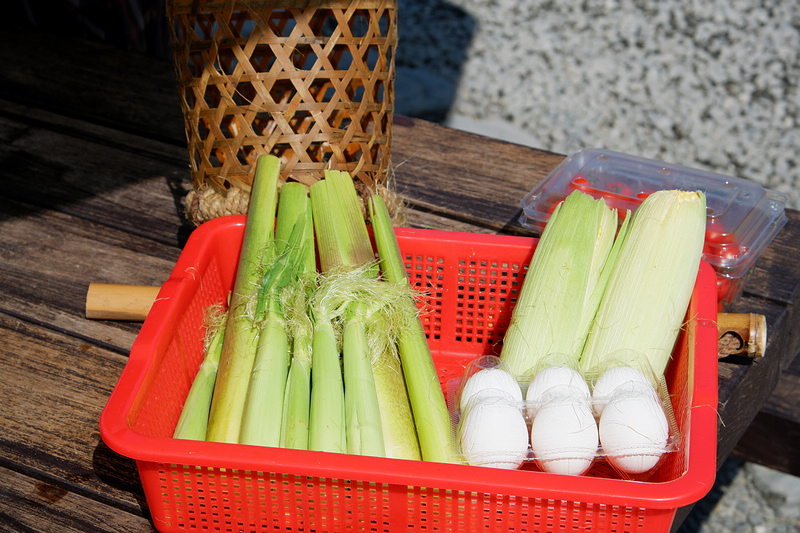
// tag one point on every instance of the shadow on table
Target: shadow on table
(139, 25)
(106, 109)
(120, 473)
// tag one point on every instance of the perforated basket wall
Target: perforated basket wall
(308, 81)
(471, 284)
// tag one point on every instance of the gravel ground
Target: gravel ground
(748, 498)
(707, 84)
(711, 84)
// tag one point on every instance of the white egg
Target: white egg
(493, 433)
(612, 379)
(548, 378)
(488, 395)
(634, 430)
(564, 436)
(495, 379)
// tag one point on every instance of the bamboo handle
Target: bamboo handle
(119, 302)
(741, 334)
(738, 333)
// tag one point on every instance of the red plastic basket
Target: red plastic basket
(471, 281)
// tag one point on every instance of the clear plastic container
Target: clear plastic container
(743, 216)
(553, 421)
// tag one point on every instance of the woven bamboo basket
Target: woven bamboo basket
(310, 81)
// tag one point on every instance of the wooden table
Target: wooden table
(94, 169)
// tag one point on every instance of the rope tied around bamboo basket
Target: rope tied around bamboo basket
(209, 203)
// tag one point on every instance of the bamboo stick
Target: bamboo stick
(107, 301)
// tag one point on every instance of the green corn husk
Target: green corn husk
(355, 300)
(650, 286)
(399, 433)
(362, 411)
(428, 406)
(262, 418)
(327, 419)
(241, 336)
(193, 421)
(562, 287)
(297, 396)
(326, 427)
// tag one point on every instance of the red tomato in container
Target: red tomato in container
(716, 233)
(723, 287)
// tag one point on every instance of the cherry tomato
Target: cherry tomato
(619, 188)
(581, 183)
(716, 233)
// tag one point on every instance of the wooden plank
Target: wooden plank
(50, 258)
(764, 433)
(746, 384)
(786, 396)
(127, 182)
(416, 218)
(482, 182)
(776, 274)
(125, 91)
(32, 505)
(130, 183)
(54, 388)
(771, 440)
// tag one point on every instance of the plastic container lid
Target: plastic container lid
(743, 217)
